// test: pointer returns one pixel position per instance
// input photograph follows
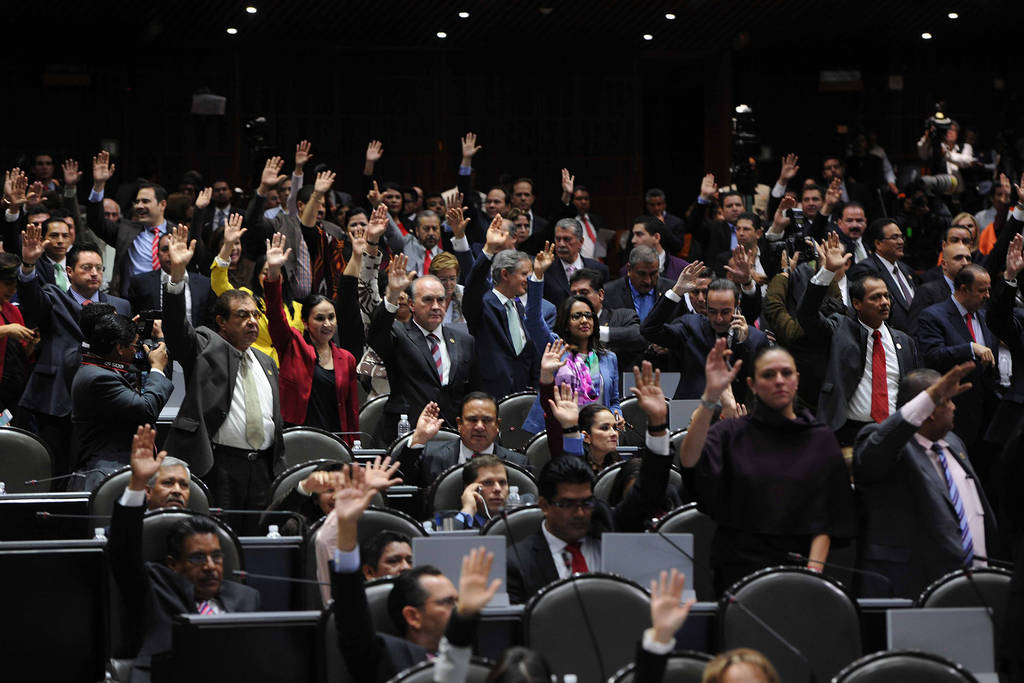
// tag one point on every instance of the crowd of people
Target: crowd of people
(856, 348)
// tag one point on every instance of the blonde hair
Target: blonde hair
(443, 261)
(976, 232)
(716, 668)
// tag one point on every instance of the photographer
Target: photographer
(109, 400)
(938, 146)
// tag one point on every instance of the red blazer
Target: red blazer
(297, 359)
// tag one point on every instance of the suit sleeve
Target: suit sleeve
(880, 447)
(351, 332)
(106, 230)
(537, 330)
(132, 407)
(1003, 323)
(379, 336)
(35, 303)
(655, 327)
(473, 295)
(937, 354)
(181, 338)
(808, 314)
(787, 330)
(124, 552)
(613, 384)
(361, 648)
(277, 324)
(514, 570)
(643, 499)
(352, 405)
(258, 229)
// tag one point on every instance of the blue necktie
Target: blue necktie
(966, 542)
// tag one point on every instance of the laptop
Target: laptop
(679, 412)
(446, 552)
(642, 557)
(962, 634)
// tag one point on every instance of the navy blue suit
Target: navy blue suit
(556, 284)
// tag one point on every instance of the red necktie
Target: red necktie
(401, 226)
(579, 563)
(879, 382)
(156, 248)
(426, 263)
(590, 230)
(970, 325)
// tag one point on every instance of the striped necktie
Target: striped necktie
(205, 607)
(966, 541)
(435, 351)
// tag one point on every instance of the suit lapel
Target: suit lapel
(931, 475)
(420, 342)
(453, 354)
(957, 322)
(502, 316)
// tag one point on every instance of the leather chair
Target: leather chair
(605, 480)
(444, 435)
(445, 493)
(103, 497)
(332, 667)
(636, 421)
(512, 411)
(684, 666)
(26, 457)
(988, 587)
(904, 666)
(157, 525)
(479, 669)
(812, 613)
(303, 444)
(377, 519)
(516, 525)
(689, 520)
(587, 624)
(536, 451)
(369, 416)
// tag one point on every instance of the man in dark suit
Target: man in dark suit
(190, 581)
(675, 234)
(954, 257)
(56, 314)
(424, 459)
(135, 242)
(956, 331)
(866, 358)
(146, 291)
(618, 328)
(576, 204)
(568, 242)
(1007, 323)
(961, 232)
(51, 266)
(650, 232)
(229, 426)
(426, 361)
(885, 262)
(924, 514)
(107, 403)
(570, 537)
(523, 197)
(690, 337)
(716, 236)
(497, 319)
(641, 287)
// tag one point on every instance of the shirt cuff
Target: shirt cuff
(156, 371)
(70, 191)
(223, 263)
(27, 277)
(346, 561)
(572, 444)
(302, 491)
(132, 499)
(701, 200)
(1018, 213)
(460, 243)
(11, 217)
(603, 333)
(916, 410)
(534, 278)
(175, 287)
(779, 190)
(748, 288)
(1011, 283)
(823, 277)
(95, 196)
(390, 307)
(654, 647)
(465, 170)
(671, 295)
(659, 445)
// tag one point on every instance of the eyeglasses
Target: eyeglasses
(89, 267)
(449, 602)
(199, 559)
(573, 503)
(581, 315)
(898, 237)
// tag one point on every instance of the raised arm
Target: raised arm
(277, 321)
(718, 377)
(536, 327)
(102, 171)
(654, 326)
(233, 232)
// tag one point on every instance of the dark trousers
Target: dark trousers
(847, 434)
(56, 432)
(241, 480)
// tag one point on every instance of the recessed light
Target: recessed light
(232, 31)
(250, 9)
(953, 15)
(648, 36)
(463, 15)
(926, 35)
(442, 34)
(670, 16)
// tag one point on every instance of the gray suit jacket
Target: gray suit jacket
(211, 367)
(911, 532)
(421, 466)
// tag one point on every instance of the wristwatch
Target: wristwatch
(710, 405)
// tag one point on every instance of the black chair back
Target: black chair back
(24, 457)
(987, 587)
(479, 668)
(103, 497)
(377, 592)
(369, 417)
(377, 519)
(536, 451)
(304, 444)
(689, 520)
(605, 480)
(587, 624)
(636, 421)
(446, 491)
(906, 667)
(516, 525)
(684, 666)
(789, 605)
(332, 665)
(157, 525)
(512, 411)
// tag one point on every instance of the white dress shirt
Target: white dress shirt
(859, 408)
(503, 300)
(897, 275)
(232, 430)
(589, 546)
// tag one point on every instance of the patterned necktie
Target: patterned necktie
(205, 607)
(156, 249)
(579, 563)
(969, 318)
(253, 412)
(966, 541)
(515, 327)
(896, 275)
(61, 277)
(879, 381)
(304, 271)
(435, 351)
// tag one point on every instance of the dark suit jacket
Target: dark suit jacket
(1007, 324)
(530, 565)
(556, 284)
(55, 312)
(146, 294)
(617, 293)
(421, 466)
(673, 266)
(930, 293)
(210, 365)
(900, 308)
(945, 342)
(153, 594)
(501, 370)
(107, 409)
(911, 533)
(624, 336)
(847, 343)
(368, 655)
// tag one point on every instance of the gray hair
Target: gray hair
(426, 213)
(169, 461)
(642, 254)
(421, 278)
(572, 224)
(506, 260)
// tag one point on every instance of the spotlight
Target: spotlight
(670, 16)
(232, 31)
(250, 9)
(926, 35)
(442, 34)
(953, 15)
(648, 36)
(463, 15)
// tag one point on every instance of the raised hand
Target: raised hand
(380, 474)
(789, 169)
(667, 610)
(832, 253)
(180, 251)
(551, 361)
(373, 196)
(782, 220)
(35, 193)
(157, 356)
(15, 185)
(543, 260)
(277, 255)
(233, 231)
(496, 236)
(145, 461)
(717, 373)
(324, 182)
(649, 395)
(271, 175)
(398, 277)
(568, 182)
(742, 267)
(1014, 257)
(1004, 183)
(32, 245)
(456, 219)
(102, 170)
(565, 405)
(352, 495)
(474, 590)
(469, 148)
(833, 195)
(203, 197)
(318, 482)
(948, 386)
(374, 151)
(1020, 189)
(708, 187)
(302, 155)
(428, 425)
(71, 173)
(688, 277)
(377, 225)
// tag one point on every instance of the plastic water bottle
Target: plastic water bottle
(514, 500)
(357, 445)
(99, 534)
(272, 531)
(403, 425)
(3, 488)
(569, 678)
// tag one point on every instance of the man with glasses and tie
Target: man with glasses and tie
(191, 579)
(568, 244)
(229, 425)
(924, 513)
(886, 262)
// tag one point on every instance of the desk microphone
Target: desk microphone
(242, 574)
(803, 559)
(996, 563)
(41, 514)
(79, 473)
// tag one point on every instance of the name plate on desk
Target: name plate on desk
(642, 557)
(962, 634)
(446, 552)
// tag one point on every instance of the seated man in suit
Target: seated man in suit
(107, 402)
(192, 578)
(650, 232)
(420, 604)
(619, 328)
(484, 491)
(570, 537)
(146, 290)
(386, 553)
(925, 514)
(478, 424)
(866, 358)
(885, 262)
(568, 242)
(170, 486)
(954, 257)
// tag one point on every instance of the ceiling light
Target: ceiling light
(442, 34)
(953, 15)
(232, 31)
(463, 15)
(250, 9)
(926, 35)
(648, 36)
(670, 16)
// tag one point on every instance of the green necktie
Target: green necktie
(61, 277)
(253, 412)
(514, 327)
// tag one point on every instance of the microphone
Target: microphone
(279, 513)
(996, 563)
(242, 574)
(53, 515)
(353, 434)
(79, 473)
(797, 557)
